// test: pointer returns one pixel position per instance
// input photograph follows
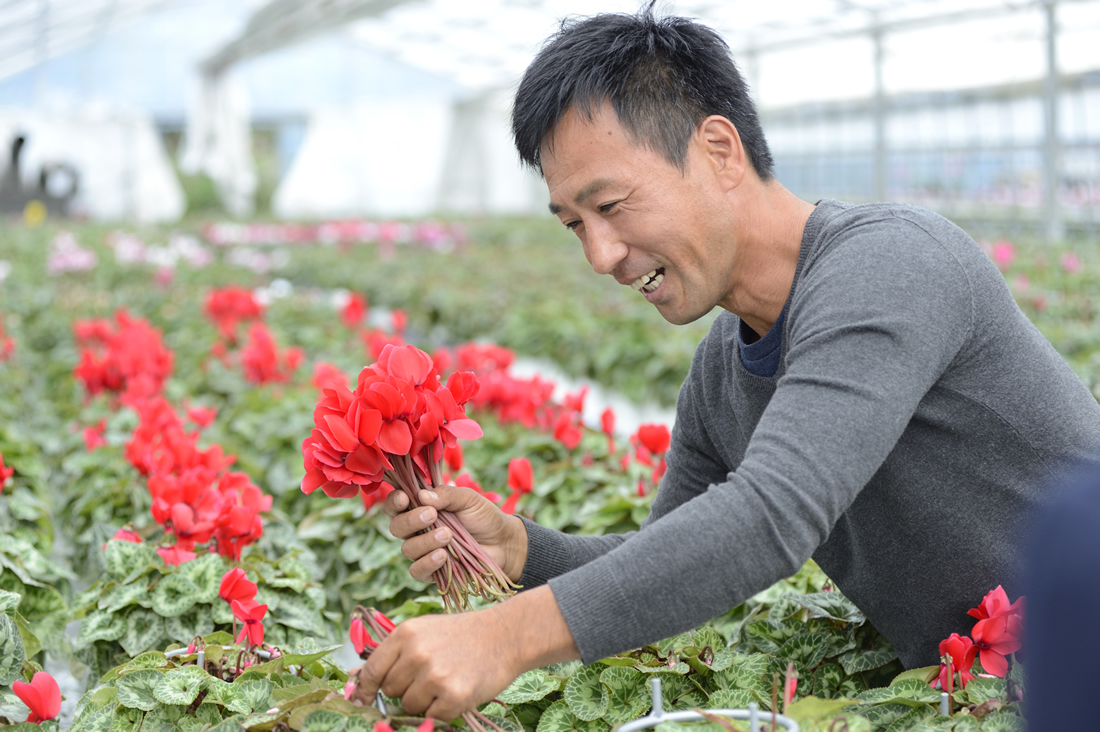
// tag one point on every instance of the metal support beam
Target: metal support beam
(879, 114)
(1054, 229)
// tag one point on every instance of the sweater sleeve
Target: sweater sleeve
(874, 320)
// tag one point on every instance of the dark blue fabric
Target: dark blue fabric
(761, 355)
(1062, 619)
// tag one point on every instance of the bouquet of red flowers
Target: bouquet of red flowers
(393, 429)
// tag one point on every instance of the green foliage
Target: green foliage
(141, 604)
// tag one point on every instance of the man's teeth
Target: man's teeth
(648, 282)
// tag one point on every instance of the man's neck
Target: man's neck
(770, 239)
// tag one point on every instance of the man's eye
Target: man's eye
(606, 208)
(572, 225)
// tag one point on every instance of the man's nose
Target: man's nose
(604, 248)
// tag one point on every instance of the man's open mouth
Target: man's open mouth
(649, 282)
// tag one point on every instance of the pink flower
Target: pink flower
(202, 416)
(1004, 253)
(655, 437)
(1070, 263)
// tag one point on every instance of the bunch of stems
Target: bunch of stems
(474, 719)
(468, 570)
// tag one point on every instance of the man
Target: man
(872, 397)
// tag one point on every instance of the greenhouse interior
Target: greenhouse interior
(319, 411)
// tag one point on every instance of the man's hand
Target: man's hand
(443, 665)
(503, 537)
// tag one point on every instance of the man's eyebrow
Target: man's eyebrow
(589, 190)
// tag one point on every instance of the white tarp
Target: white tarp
(374, 158)
(481, 172)
(124, 171)
(218, 140)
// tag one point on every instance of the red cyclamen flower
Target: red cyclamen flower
(353, 312)
(236, 586)
(42, 695)
(93, 435)
(957, 656)
(521, 479)
(175, 555)
(252, 615)
(998, 630)
(655, 437)
(5, 473)
(361, 637)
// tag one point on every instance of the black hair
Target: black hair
(663, 77)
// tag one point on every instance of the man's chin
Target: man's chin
(677, 317)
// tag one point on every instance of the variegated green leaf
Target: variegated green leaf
(126, 720)
(180, 685)
(628, 696)
(121, 596)
(206, 574)
(708, 636)
(229, 724)
(911, 718)
(174, 595)
(149, 659)
(97, 720)
(586, 696)
(127, 560)
(12, 653)
(982, 690)
(857, 660)
(530, 686)
(832, 605)
(195, 621)
(208, 714)
(222, 614)
(9, 601)
(135, 690)
(101, 625)
(731, 699)
(806, 649)
(257, 693)
(143, 629)
(324, 720)
(768, 635)
(827, 680)
(558, 718)
(301, 656)
(293, 612)
(169, 718)
(746, 672)
(883, 715)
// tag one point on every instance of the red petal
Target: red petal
(344, 435)
(395, 437)
(365, 460)
(464, 429)
(370, 421)
(314, 479)
(994, 663)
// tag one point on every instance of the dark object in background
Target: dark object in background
(1062, 618)
(57, 185)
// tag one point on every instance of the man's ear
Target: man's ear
(720, 143)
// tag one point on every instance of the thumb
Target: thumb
(450, 498)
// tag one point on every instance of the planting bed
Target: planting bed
(155, 390)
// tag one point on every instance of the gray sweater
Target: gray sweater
(903, 444)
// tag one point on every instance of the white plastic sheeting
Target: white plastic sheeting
(481, 172)
(374, 158)
(124, 171)
(218, 141)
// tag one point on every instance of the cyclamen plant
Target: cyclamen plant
(393, 429)
(996, 636)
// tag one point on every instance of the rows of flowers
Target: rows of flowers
(164, 441)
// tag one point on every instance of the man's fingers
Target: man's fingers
(423, 568)
(395, 503)
(407, 524)
(416, 547)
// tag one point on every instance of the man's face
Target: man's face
(666, 234)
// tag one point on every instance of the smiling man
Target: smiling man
(871, 397)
